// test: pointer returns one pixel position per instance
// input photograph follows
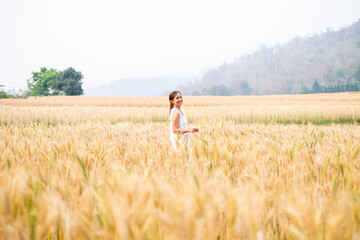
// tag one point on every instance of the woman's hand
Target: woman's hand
(194, 130)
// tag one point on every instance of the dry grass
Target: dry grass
(351, 98)
(90, 172)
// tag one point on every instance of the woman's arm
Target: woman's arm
(176, 123)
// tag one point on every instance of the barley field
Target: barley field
(261, 167)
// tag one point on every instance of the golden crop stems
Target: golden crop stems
(258, 171)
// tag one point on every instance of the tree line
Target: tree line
(318, 88)
(245, 89)
(50, 82)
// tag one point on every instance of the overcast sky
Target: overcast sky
(109, 40)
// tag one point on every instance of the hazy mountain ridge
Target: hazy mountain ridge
(137, 87)
(329, 58)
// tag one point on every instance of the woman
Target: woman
(178, 123)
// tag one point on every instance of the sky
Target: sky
(110, 40)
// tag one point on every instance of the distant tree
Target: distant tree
(212, 90)
(330, 89)
(357, 72)
(338, 88)
(289, 85)
(69, 83)
(342, 88)
(222, 91)
(355, 87)
(245, 87)
(316, 88)
(218, 90)
(42, 83)
(4, 94)
(347, 87)
(53, 82)
(14, 94)
(304, 89)
(240, 88)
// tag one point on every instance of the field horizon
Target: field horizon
(344, 97)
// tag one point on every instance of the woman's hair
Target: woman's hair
(171, 97)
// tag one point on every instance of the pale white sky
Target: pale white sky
(109, 40)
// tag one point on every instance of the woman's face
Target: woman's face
(177, 101)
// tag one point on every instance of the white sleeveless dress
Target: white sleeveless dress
(183, 124)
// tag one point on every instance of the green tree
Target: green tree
(212, 90)
(54, 82)
(330, 89)
(337, 88)
(316, 88)
(289, 85)
(218, 90)
(222, 91)
(69, 82)
(241, 87)
(41, 83)
(12, 93)
(245, 87)
(357, 72)
(304, 89)
(4, 94)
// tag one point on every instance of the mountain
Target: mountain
(327, 60)
(138, 87)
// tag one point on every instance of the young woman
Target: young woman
(178, 123)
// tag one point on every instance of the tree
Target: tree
(245, 87)
(357, 72)
(222, 91)
(54, 82)
(69, 82)
(240, 88)
(288, 86)
(41, 83)
(4, 94)
(212, 90)
(12, 93)
(304, 89)
(316, 88)
(218, 90)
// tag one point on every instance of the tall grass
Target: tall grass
(76, 172)
(297, 114)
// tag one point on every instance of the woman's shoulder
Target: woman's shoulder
(180, 111)
(176, 110)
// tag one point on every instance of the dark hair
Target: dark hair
(171, 97)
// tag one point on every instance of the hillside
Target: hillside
(330, 58)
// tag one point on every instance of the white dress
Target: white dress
(183, 124)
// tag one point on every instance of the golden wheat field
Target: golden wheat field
(262, 167)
